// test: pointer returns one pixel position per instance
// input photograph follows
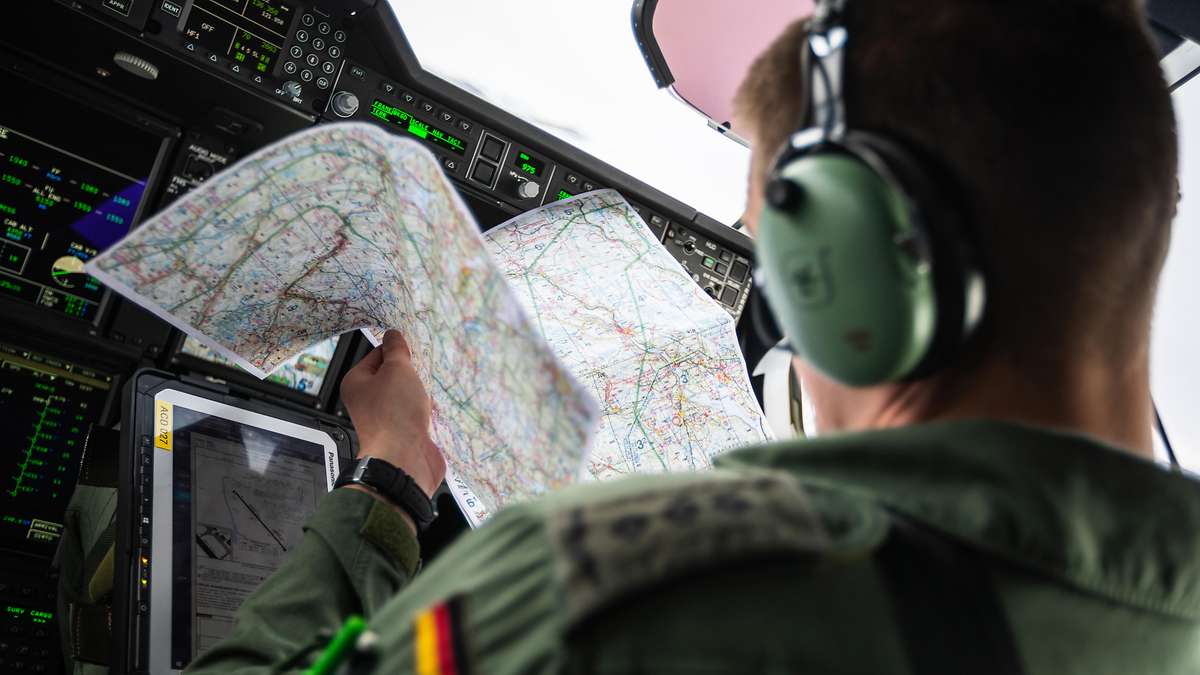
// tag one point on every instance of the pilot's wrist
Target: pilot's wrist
(411, 456)
(412, 525)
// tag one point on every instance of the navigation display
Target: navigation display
(305, 373)
(67, 191)
(49, 406)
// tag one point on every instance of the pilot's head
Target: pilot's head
(1055, 124)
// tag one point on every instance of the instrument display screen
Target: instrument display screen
(50, 405)
(251, 32)
(68, 190)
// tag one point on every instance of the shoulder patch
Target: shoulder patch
(609, 549)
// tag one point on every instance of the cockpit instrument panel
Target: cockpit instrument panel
(66, 193)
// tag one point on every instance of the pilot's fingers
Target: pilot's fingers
(366, 367)
(395, 346)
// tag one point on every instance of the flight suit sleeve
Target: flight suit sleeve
(355, 555)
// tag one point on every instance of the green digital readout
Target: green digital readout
(253, 51)
(423, 130)
(33, 615)
(563, 194)
(525, 162)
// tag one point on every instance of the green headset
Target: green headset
(864, 251)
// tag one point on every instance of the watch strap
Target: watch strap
(395, 485)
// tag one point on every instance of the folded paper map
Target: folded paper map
(347, 227)
(660, 355)
(562, 320)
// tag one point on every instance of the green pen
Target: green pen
(341, 643)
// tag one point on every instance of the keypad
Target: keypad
(316, 52)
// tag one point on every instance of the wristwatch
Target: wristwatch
(394, 485)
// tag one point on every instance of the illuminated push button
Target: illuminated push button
(301, 36)
(722, 268)
(290, 68)
(484, 173)
(528, 189)
(572, 179)
(308, 20)
(344, 104)
(318, 44)
(387, 88)
(335, 52)
(328, 67)
(306, 75)
(322, 83)
(324, 28)
(339, 36)
(312, 60)
(739, 271)
(726, 256)
(427, 107)
(296, 51)
(492, 147)
(465, 126)
(729, 296)
(446, 117)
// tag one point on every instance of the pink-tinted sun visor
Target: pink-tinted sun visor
(701, 49)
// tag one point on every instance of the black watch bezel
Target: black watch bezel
(393, 484)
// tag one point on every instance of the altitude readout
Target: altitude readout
(529, 164)
(423, 130)
(53, 404)
(58, 210)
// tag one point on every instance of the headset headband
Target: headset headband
(825, 58)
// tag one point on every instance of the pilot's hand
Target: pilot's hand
(391, 411)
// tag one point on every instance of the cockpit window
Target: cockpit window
(1174, 352)
(574, 70)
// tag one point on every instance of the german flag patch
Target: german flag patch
(438, 644)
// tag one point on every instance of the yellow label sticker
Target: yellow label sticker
(163, 413)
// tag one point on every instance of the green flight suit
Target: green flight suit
(768, 564)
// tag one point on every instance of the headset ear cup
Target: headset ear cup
(939, 211)
(850, 302)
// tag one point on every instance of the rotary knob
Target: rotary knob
(136, 65)
(292, 88)
(344, 104)
(528, 189)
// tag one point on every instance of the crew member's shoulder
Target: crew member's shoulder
(506, 595)
(611, 542)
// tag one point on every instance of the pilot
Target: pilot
(998, 512)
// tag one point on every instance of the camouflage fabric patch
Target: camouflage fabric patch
(610, 549)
